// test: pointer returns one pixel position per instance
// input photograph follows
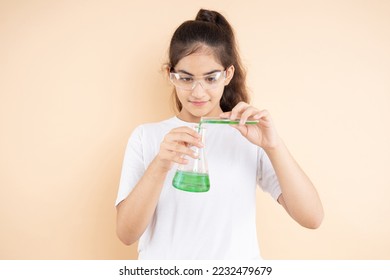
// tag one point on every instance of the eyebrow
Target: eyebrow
(205, 74)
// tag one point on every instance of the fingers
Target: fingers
(184, 135)
(178, 148)
(249, 112)
(235, 113)
(177, 144)
(244, 111)
(238, 110)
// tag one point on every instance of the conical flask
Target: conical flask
(193, 176)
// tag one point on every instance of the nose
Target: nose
(198, 90)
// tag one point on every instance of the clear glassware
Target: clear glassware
(216, 120)
(193, 176)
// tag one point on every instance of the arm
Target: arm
(299, 197)
(135, 212)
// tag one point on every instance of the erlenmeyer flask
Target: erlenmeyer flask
(194, 176)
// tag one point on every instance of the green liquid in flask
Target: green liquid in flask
(191, 181)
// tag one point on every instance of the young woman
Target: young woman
(209, 80)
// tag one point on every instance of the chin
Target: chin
(201, 114)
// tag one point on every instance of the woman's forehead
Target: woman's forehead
(199, 63)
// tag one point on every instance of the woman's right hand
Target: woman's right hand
(177, 143)
(136, 211)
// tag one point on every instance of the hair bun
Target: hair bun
(216, 18)
(208, 16)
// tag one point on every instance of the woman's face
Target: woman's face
(199, 101)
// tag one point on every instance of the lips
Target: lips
(198, 103)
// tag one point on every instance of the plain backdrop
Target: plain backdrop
(76, 77)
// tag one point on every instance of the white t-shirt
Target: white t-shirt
(218, 224)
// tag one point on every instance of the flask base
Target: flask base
(191, 181)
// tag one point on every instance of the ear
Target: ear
(229, 74)
(167, 70)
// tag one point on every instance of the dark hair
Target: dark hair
(212, 30)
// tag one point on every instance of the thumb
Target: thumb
(225, 115)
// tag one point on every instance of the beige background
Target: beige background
(76, 77)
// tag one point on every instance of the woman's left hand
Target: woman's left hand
(262, 134)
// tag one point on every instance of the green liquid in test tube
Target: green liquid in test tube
(225, 121)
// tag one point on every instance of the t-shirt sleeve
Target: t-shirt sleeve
(133, 166)
(266, 176)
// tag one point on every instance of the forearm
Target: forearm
(299, 196)
(136, 211)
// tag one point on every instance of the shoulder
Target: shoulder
(156, 127)
(154, 130)
(165, 123)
